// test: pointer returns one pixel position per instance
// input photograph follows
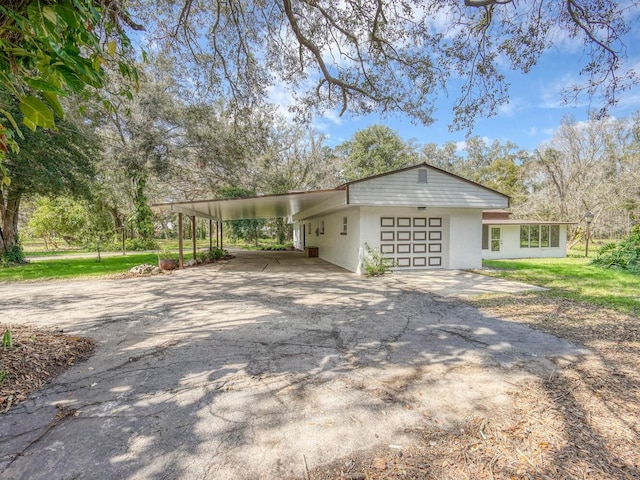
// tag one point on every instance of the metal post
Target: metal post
(210, 235)
(180, 252)
(193, 236)
(586, 247)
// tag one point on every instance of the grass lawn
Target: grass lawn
(573, 278)
(75, 267)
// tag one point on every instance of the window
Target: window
(534, 236)
(344, 226)
(422, 175)
(544, 235)
(309, 228)
(539, 236)
(524, 236)
(555, 236)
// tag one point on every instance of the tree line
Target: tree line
(95, 176)
(94, 111)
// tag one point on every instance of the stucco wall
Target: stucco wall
(341, 250)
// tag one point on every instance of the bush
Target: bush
(374, 262)
(13, 256)
(212, 255)
(624, 255)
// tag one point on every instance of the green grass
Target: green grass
(75, 267)
(573, 278)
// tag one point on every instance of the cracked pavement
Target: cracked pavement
(218, 373)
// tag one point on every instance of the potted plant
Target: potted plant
(167, 259)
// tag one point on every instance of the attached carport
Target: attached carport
(261, 206)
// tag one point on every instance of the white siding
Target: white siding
(510, 246)
(341, 250)
(465, 233)
(441, 190)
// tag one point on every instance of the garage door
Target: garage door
(413, 242)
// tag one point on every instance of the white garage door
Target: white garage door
(413, 242)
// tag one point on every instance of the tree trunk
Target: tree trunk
(9, 206)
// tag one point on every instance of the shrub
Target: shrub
(212, 255)
(374, 262)
(13, 256)
(624, 255)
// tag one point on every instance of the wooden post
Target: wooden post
(193, 236)
(221, 232)
(180, 252)
(210, 233)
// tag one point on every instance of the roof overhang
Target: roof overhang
(498, 221)
(263, 206)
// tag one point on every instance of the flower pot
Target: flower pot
(167, 264)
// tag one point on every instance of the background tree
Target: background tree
(48, 163)
(386, 56)
(587, 166)
(246, 229)
(374, 150)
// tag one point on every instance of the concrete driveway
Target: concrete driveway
(226, 373)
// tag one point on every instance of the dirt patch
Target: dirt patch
(583, 421)
(36, 357)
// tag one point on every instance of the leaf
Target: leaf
(54, 103)
(36, 113)
(9, 117)
(111, 46)
(44, 86)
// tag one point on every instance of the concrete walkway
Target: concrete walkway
(222, 373)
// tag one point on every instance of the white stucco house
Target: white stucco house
(420, 217)
(503, 237)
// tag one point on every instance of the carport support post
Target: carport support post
(193, 236)
(180, 233)
(221, 234)
(210, 235)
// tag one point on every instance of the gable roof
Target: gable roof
(417, 166)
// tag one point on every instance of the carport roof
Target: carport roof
(260, 206)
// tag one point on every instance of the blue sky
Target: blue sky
(532, 114)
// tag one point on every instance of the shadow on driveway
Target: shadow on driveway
(214, 373)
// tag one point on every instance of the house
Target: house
(503, 237)
(420, 217)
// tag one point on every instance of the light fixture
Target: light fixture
(588, 218)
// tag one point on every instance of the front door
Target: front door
(496, 241)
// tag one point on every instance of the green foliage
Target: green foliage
(138, 244)
(54, 49)
(166, 253)
(3, 376)
(249, 229)
(143, 215)
(212, 255)
(7, 341)
(14, 255)
(376, 149)
(624, 255)
(374, 263)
